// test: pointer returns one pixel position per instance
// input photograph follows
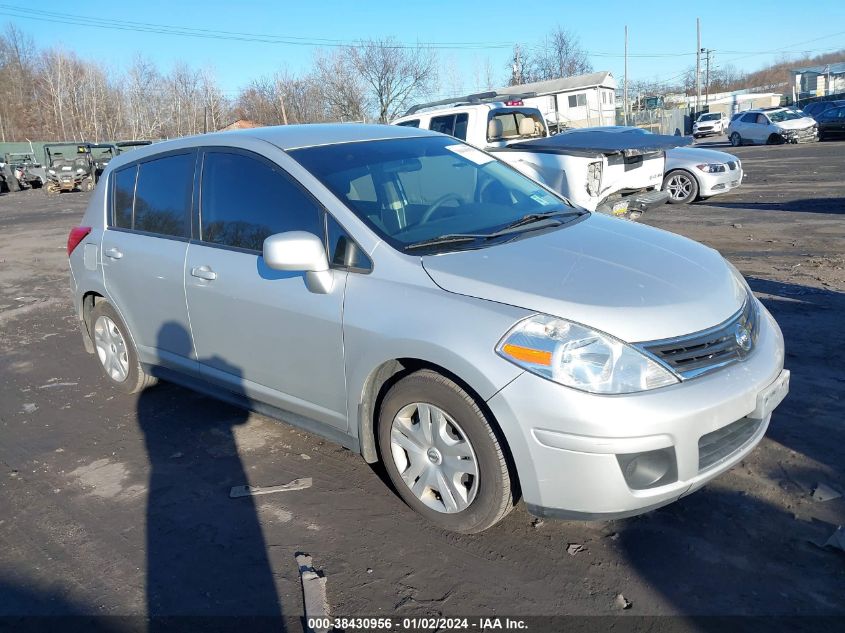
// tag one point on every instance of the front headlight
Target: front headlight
(579, 357)
(79, 171)
(51, 171)
(713, 168)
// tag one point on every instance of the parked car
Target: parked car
(832, 123)
(692, 173)
(817, 108)
(710, 123)
(617, 181)
(772, 125)
(423, 303)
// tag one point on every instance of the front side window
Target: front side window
(163, 195)
(762, 120)
(428, 187)
(244, 200)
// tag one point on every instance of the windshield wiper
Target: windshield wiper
(532, 218)
(449, 238)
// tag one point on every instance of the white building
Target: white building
(818, 81)
(582, 101)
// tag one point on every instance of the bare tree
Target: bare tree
(394, 75)
(342, 90)
(560, 54)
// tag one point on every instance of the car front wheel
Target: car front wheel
(442, 455)
(681, 186)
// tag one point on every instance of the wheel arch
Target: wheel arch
(383, 377)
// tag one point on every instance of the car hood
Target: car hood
(631, 281)
(797, 124)
(695, 155)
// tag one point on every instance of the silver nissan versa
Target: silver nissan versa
(416, 300)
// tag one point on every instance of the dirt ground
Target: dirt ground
(119, 505)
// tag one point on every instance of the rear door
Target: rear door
(143, 253)
(259, 332)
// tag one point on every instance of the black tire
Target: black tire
(11, 181)
(735, 139)
(494, 497)
(681, 175)
(775, 139)
(136, 378)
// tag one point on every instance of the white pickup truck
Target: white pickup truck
(593, 171)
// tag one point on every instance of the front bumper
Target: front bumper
(712, 184)
(807, 135)
(567, 444)
(633, 205)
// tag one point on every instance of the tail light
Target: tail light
(77, 234)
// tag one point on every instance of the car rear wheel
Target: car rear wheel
(681, 186)
(115, 351)
(442, 455)
(736, 139)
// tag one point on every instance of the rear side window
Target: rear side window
(451, 124)
(749, 118)
(124, 196)
(163, 195)
(245, 200)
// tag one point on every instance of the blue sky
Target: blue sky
(661, 37)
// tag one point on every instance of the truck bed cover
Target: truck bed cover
(595, 141)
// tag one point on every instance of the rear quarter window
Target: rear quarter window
(123, 197)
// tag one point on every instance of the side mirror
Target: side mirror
(300, 251)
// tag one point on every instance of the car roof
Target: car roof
(285, 137)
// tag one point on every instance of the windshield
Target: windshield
(714, 116)
(785, 115)
(413, 190)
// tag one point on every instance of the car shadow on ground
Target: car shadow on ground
(754, 545)
(834, 206)
(206, 554)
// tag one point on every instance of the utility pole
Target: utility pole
(625, 97)
(707, 52)
(698, 65)
(281, 101)
(205, 120)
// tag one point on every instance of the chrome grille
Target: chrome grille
(716, 446)
(695, 354)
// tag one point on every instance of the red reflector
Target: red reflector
(77, 234)
(514, 102)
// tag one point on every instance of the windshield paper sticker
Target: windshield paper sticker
(470, 153)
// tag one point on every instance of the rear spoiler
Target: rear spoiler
(596, 141)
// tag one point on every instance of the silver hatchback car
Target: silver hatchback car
(415, 300)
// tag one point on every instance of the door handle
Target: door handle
(113, 253)
(203, 272)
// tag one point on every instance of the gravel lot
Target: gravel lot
(118, 505)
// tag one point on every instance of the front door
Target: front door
(143, 255)
(260, 332)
